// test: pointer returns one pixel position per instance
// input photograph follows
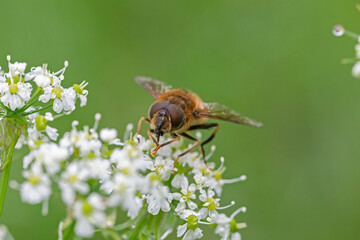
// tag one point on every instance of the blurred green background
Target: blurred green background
(275, 61)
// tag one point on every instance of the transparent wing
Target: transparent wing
(219, 111)
(154, 87)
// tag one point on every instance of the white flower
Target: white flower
(84, 229)
(17, 68)
(356, 70)
(99, 168)
(87, 146)
(4, 233)
(123, 189)
(178, 180)
(187, 193)
(42, 81)
(74, 180)
(227, 227)
(108, 134)
(88, 213)
(64, 98)
(36, 188)
(163, 167)
(216, 181)
(40, 125)
(48, 154)
(83, 98)
(210, 204)
(357, 50)
(130, 160)
(120, 185)
(190, 229)
(158, 199)
(66, 101)
(200, 167)
(14, 94)
(133, 206)
(143, 144)
(190, 158)
(35, 71)
(165, 151)
(51, 132)
(81, 92)
(202, 181)
(43, 77)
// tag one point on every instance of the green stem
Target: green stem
(349, 60)
(11, 132)
(31, 101)
(131, 222)
(114, 234)
(352, 34)
(158, 221)
(5, 180)
(5, 107)
(59, 115)
(37, 110)
(138, 228)
(68, 232)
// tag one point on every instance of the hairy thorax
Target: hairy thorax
(189, 102)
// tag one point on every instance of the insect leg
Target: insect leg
(188, 150)
(139, 124)
(205, 126)
(149, 131)
(153, 152)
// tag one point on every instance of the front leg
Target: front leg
(153, 152)
(149, 131)
(139, 124)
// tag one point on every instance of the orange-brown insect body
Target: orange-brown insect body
(188, 102)
(179, 111)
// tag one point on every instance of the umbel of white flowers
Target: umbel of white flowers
(28, 102)
(97, 174)
(339, 31)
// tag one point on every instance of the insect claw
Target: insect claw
(153, 152)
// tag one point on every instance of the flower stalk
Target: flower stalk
(11, 129)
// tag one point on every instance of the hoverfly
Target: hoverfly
(178, 111)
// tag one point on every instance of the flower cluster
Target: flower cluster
(97, 174)
(24, 95)
(338, 31)
(16, 88)
(24, 99)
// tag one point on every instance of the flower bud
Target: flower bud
(40, 123)
(233, 226)
(338, 30)
(77, 88)
(192, 222)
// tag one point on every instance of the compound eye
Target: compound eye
(156, 107)
(177, 116)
